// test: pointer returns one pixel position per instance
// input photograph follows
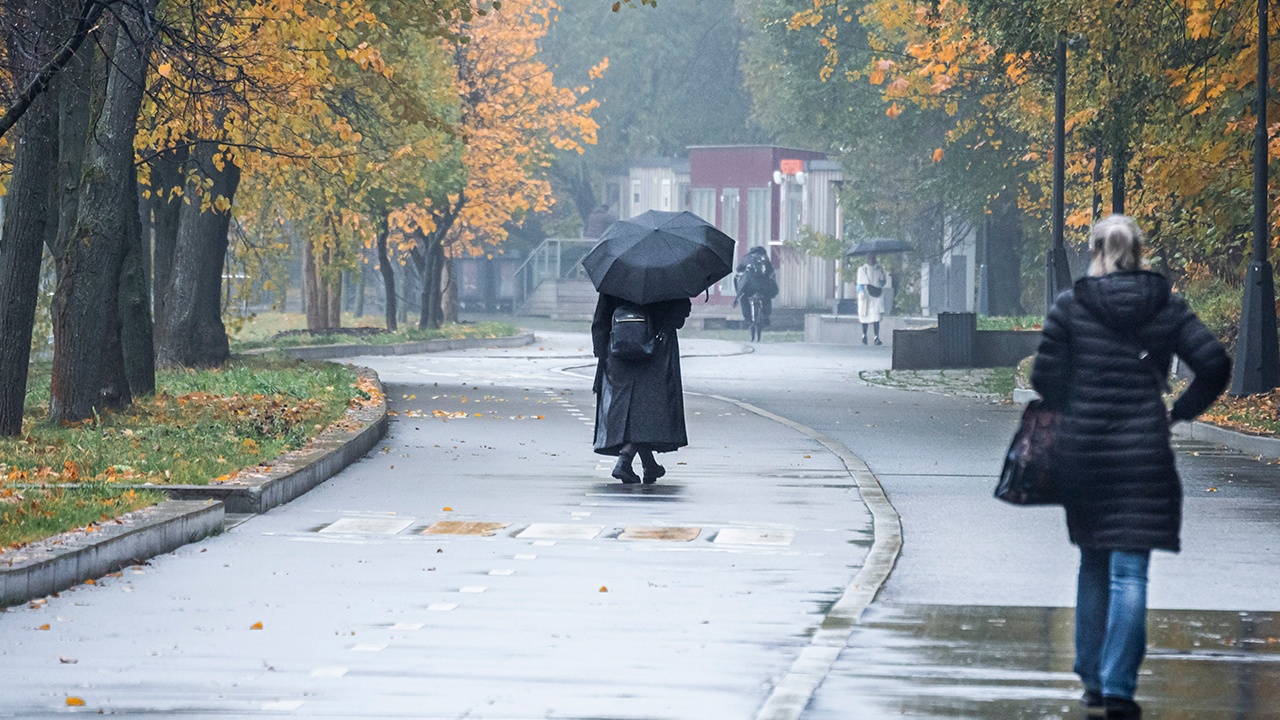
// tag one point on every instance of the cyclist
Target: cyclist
(754, 277)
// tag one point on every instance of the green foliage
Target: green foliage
(1218, 304)
(31, 513)
(1019, 322)
(818, 245)
(201, 425)
(448, 331)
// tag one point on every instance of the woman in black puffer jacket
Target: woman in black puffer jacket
(1103, 361)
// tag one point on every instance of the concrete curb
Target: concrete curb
(793, 692)
(1267, 447)
(59, 562)
(1249, 444)
(328, 352)
(297, 471)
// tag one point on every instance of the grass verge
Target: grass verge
(987, 383)
(201, 426)
(451, 331)
(29, 514)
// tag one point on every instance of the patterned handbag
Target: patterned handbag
(1027, 476)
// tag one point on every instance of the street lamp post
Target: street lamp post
(1257, 352)
(1057, 276)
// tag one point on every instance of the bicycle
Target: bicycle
(756, 304)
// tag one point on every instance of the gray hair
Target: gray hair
(1116, 244)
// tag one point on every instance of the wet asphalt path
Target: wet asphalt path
(760, 532)
(975, 621)
(580, 598)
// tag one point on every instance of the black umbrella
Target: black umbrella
(659, 256)
(879, 246)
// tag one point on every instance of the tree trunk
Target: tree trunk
(88, 365)
(359, 290)
(165, 203)
(1119, 168)
(137, 339)
(30, 221)
(448, 293)
(332, 280)
(388, 277)
(193, 334)
(1005, 240)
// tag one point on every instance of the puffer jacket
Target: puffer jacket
(1103, 360)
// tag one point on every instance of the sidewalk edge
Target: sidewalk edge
(62, 561)
(330, 352)
(793, 692)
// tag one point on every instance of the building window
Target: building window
(702, 201)
(730, 212)
(682, 196)
(666, 194)
(792, 210)
(758, 202)
(730, 206)
(635, 197)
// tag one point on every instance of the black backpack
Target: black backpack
(632, 336)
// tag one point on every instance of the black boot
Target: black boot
(1122, 709)
(622, 470)
(1093, 705)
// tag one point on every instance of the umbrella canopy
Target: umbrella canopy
(879, 246)
(659, 256)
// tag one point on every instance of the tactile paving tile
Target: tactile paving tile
(670, 534)
(557, 531)
(459, 527)
(368, 526)
(755, 536)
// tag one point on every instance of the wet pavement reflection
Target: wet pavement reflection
(1001, 663)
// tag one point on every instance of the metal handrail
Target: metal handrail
(553, 259)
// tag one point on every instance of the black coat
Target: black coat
(1117, 475)
(639, 402)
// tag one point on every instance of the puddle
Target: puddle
(1001, 663)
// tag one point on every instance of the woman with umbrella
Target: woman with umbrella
(873, 282)
(646, 269)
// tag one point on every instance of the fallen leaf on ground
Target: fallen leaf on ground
(75, 702)
(256, 626)
(604, 589)
(67, 660)
(43, 627)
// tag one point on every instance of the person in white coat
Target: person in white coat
(872, 280)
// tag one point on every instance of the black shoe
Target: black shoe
(651, 474)
(622, 471)
(1122, 709)
(878, 341)
(1093, 705)
(864, 339)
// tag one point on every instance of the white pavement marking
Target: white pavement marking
(525, 557)
(502, 571)
(283, 705)
(368, 526)
(408, 626)
(368, 647)
(754, 536)
(442, 607)
(473, 589)
(328, 672)
(560, 531)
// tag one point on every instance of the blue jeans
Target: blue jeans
(1111, 620)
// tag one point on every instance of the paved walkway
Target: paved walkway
(577, 598)
(694, 598)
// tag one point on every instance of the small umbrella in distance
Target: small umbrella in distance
(879, 246)
(659, 256)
